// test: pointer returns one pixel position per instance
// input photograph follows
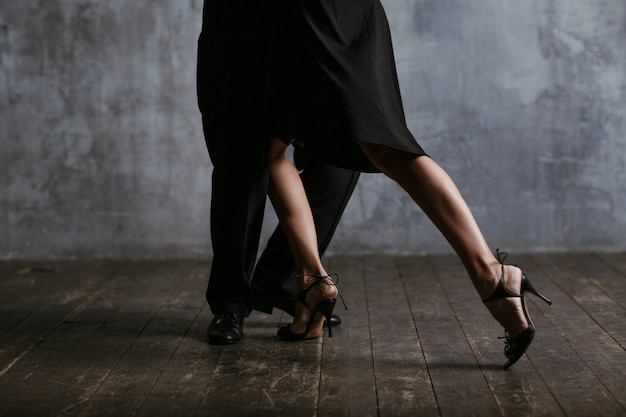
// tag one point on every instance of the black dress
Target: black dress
(331, 80)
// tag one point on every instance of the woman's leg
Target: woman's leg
(437, 195)
(292, 207)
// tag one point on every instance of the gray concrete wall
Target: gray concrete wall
(524, 103)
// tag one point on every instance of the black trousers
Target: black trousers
(228, 71)
(229, 67)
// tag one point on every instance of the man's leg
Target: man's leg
(237, 206)
(328, 189)
(227, 82)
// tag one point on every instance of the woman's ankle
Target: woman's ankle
(306, 276)
(485, 276)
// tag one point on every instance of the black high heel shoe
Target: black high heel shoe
(515, 348)
(324, 307)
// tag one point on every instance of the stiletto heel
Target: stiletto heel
(515, 348)
(324, 308)
(527, 286)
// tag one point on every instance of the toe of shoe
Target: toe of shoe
(224, 338)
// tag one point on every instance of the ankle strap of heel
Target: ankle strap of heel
(334, 280)
(500, 291)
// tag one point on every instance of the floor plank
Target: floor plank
(348, 384)
(521, 387)
(458, 384)
(123, 338)
(585, 357)
(403, 381)
(33, 305)
(181, 386)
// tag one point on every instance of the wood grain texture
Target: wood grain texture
(121, 338)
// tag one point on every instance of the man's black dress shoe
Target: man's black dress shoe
(225, 329)
(267, 305)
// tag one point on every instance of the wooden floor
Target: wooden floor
(119, 338)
